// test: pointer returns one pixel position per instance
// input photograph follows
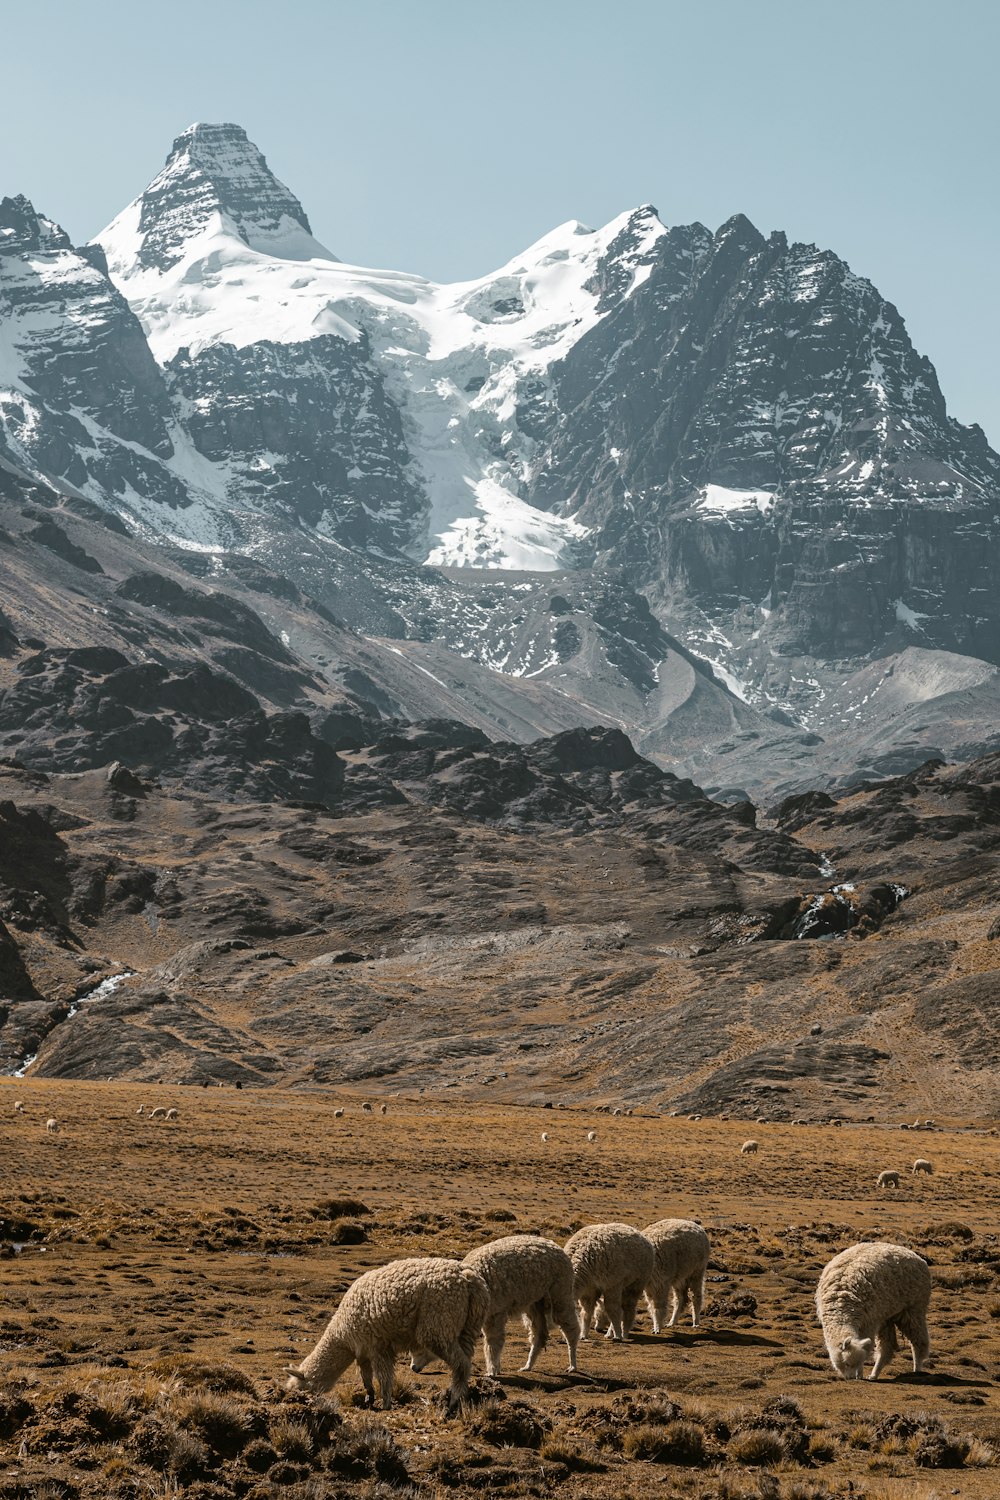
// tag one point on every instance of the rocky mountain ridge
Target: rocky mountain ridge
(718, 449)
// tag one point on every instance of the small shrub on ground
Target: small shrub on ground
(757, 1446)
(515, 1424)
(680, 1443)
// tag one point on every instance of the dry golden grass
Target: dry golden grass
(171, 1270)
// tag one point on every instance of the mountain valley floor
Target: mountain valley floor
(157, 1276)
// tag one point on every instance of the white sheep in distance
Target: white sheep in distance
(612, 1264)
(922, 1165)
(426, 1304)
(887, 1179)
(866, 1295)
(532, 1276)
(52, 1126)
(681, 1251)
(748, 1148)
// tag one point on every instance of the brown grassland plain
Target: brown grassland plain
(167, 1271)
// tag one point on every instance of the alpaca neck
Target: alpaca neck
(328, 1361)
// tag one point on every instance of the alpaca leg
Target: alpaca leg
(675, 1306)
(696, 1294)
(587, 1306)
(615, 1312)
(885, 1348)
(494, 1338)
(365, 1367)
(538, 1324)
(384, 1372)
(630, 1301)
(461, 1368)
(912, 1325)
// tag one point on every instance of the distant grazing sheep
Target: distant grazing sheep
(159, 1113)
(612, 1263)
(887, 1179)
(428, 1306)
(366, 1107)
(591, 1135)
(748, 1148)
(866, 1295)
(52, 1126)
(338, 1114)
(531, 1276)
(681, 1250)
(922, 1165)
(171, 1114)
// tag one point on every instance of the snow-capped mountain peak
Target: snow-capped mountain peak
(215, 181)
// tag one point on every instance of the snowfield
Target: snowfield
(454, 357)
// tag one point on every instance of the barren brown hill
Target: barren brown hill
(572, 935)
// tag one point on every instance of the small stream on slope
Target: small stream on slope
(100, 991)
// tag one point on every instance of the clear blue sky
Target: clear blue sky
(442, 136)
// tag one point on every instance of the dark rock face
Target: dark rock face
(83, 709)
(94, 407)
(320, 412)
(214, 169)
(756, 366)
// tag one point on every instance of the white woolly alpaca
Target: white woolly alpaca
(159, 1113)
(383, 1109)
(338, 1114)
(681, 1259)
(18, 1107)
(748, 1148)
(366, 1108)
(922, 1165)
(887, 1179)
(52, 1126)
(428, 1304)
(591, 1135)
(141, 1110)
(545, 1135)
(528, 1275)
(611, 1264)
(171, 1114)
(865, 1296)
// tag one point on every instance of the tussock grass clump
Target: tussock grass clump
(340, 1208)
(757, 1446)
(571, 1455)
(783, 1420)
(508, 1424)
(681, 1443)
(214, 1375)
(225, 1424)
(367, 1448)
